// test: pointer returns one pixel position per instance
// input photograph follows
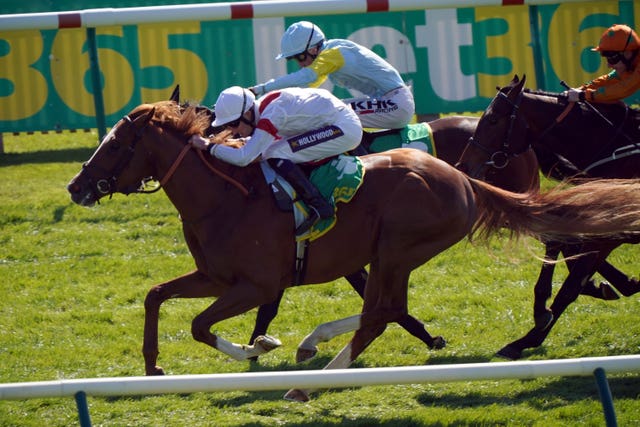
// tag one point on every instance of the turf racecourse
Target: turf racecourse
(74, 282)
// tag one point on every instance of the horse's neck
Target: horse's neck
(200, 185)
(576, 134)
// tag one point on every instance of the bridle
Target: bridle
(107, 186)
(500, 158)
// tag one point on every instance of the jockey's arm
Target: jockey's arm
(246, 154)
(610, 88)
(314, 75)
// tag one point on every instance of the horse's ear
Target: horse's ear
(515, 88)
(149, 115)
(519, 86)
(524, 78)
(143, 119)
(515, 80)
(175, 95)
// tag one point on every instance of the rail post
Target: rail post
(83, 409)
(605, 398)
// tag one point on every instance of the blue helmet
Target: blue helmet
(298, 38)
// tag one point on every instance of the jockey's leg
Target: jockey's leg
(320, 207)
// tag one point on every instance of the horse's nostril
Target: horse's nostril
(73, 188)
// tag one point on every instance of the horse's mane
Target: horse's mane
(189, 120)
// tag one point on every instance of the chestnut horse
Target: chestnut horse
(570, 140)
(409, 208)
(449, 136)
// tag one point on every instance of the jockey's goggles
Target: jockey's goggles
(235, 123)
(613, 57)
(299, 57)
(303, 55)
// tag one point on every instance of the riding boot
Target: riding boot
(320, 208)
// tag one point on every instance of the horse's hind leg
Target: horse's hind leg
(191, 285)
(385, 301)
(412, 325)
(626, 285)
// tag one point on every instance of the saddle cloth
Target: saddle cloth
(417, 135)
(337, 181)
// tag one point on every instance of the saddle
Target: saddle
(337, 180)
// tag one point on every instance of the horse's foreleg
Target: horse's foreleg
(240, 298)
(191, 285)
(543, 287)
(266, 314)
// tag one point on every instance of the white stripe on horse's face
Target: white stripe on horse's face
(108, 137)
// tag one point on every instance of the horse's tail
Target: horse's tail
(596, 209)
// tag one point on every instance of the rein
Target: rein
(222, 175)
(500, 158)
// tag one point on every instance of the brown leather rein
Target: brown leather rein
(221, 174)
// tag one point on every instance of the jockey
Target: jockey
(620, 45)
(386, 101)
(286, 127)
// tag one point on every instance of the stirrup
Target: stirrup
(308, 222)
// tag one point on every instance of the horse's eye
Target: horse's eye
(493, 121)
(114, 145)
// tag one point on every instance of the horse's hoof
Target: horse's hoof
(157, 370)
(267, 343)
(510, 353)
(607, 292)
(304, 354)
(438, 343)
(296, 395)
(543, 321)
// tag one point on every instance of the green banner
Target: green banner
(453, 58)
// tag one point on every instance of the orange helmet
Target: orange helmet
(618, 38)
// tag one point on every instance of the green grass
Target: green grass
(74, 282)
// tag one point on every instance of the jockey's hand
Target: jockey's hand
(574, 95)
(199, 142)
(257, 90)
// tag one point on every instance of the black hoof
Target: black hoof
(544, 320)
(510, 353)
(438, 343)
(607, 292)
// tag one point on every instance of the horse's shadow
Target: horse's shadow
(555, 394)
(69, 155)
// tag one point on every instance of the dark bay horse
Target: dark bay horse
(570, 140)
(410, 207)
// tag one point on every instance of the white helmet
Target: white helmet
(232, 103)
(298, 38)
